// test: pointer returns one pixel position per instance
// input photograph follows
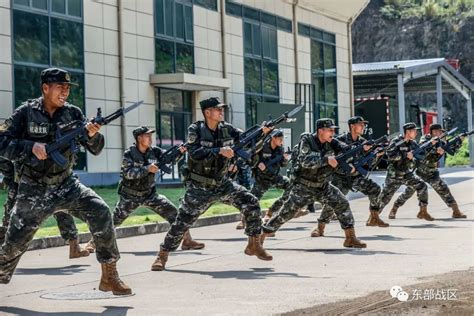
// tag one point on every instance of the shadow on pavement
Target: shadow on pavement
(109, 310)
(384, 237)
(155, 253)
(223, 239)
(298, 228)
(68, 270)
(342, 251)
(425, 226)
(253, 274)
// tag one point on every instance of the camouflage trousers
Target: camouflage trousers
(432, 178)
(357, 183)
(156, 202)
(198, 198)
(66, 225)
(393, 183)
(262, 186)
(301, 195)
(35, 203)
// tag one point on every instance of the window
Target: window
(173, 116)
(174, 36)
(260, 62)
(323, 71)
(208, 4)
(260, 16)
(48, 33)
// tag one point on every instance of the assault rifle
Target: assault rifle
(422, 150)
(76, 130)
(344, 158)
(450, 145)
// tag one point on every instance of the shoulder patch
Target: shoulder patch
(192, 138)
(305, 149)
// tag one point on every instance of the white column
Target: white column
(439, 98)
(469, 127)
(401, 102)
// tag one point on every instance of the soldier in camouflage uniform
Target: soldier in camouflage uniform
(354, 181)
(266, 178)
(427, 170)
(400, 171)
(313, 172)
(46, 187)
(137, 186)
(66, 225)
(207, 181)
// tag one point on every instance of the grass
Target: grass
(141, 215)
(461, 158)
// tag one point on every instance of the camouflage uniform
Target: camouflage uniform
(399, 172)
(45, 187)
(270, 177)
(137, 186)
(355, 182)
(312, 175)
(428, 171)
(66, 225)
(244, 175)
(207, 182)
(8, 171)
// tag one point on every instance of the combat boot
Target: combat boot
(267, 216)
(110, 280)
(456, 212)
(190, 243)
(351, 239)
(393, 212)
(241, 224)
(318, 231)
(254, 248)
(160, 261)
(75, 251)
(375, 220)
(90, 246)
(423, 213)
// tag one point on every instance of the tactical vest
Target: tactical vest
(41, 128)
(403, 166)
(265, 155)
(216, 167)
(315, 175)
(142, 186)
(431, 160)
(346, 138)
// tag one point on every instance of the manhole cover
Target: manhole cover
(84, 295)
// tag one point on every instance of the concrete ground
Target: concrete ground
(220, 279)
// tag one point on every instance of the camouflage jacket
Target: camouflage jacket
(346, 138)
(312, 161)
(399, 164)
(203, 149)
(431, 160)
(265, 156)
(30, 123)
(135, 177)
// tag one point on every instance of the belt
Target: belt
(58, 179)
(134, 192)
(202, 179)
(310, 183)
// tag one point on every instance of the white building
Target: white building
(174, 53)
